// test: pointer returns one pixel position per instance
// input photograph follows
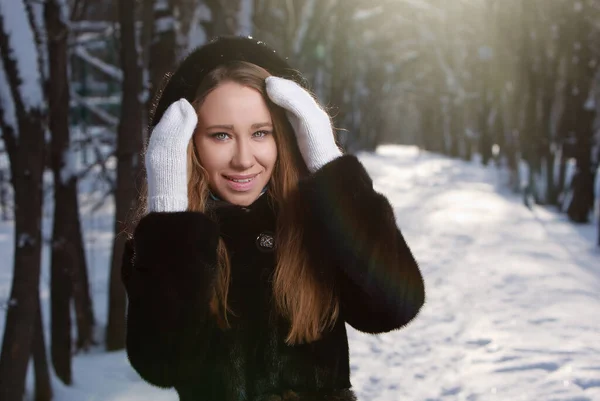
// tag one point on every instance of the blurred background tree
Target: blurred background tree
(509, 83)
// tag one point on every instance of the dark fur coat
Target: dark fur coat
(169, 268)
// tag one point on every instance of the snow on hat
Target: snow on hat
(221, 50)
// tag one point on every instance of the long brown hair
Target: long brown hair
(310, 305)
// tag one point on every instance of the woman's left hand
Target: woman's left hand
(310, 122)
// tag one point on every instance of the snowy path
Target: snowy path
(513, 308)
(513, 305)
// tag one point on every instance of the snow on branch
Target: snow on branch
(195, 35)
(244, 17)
(91, 26)
(365, 14)
(64, 11)
(164, 19)
(107, 69)
(164, 23)
(35, 12)
(6, 101)
(108, 118)
(23, 51)
(69, 167)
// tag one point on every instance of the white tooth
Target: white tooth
(242, 181)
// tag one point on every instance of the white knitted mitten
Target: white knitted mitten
(310, 122)
(166, 158)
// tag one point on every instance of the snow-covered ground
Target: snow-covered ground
(513, 296)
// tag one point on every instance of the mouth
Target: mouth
(241, 183)
(241, 178)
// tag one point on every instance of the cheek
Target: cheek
(267, 153)
(210, 156)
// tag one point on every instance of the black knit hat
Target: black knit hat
(187, 77)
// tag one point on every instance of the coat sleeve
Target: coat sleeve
(168, 271)
(351, 228)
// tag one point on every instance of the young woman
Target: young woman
(257, 240)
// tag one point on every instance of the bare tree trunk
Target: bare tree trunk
(485, 139)
(598, 197)
(60, 335)
(68, 265)
(548, 153)
(3, 194)
(27, 164)
(129, 147)
(82, 298)
(583, 180)
(162, 46)
(529, 71)
(61, 261)
(456, 127)
(431, 124)
(43, 388)
(580, 73)
(341, 79)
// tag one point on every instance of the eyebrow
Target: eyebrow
(230, 127)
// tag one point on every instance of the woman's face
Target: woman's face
(235, 142)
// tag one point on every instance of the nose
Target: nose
(243, 156)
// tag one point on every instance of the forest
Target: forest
(513, 84)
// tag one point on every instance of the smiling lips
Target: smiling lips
(241, 183)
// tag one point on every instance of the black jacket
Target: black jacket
(169, 268)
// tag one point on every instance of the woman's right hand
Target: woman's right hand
(166, 158)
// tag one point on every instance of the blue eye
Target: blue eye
(261, 134)
(220, 136)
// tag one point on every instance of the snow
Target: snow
(365, 14)
(109, 70)
(23, 51)
(6, 101)
(25, 239)
(144, 94)
(513, 295)
(92, 106)
(64, 11)
(37, 10)
(196, 36)
(69, 168)
(161, 5)
(597, 194)
(166, 21)
(164, 24)
(86, 26)
(244, 17)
